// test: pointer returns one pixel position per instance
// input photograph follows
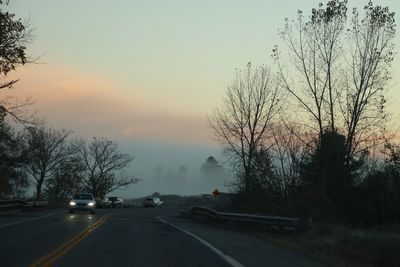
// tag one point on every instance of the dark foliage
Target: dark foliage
(13, 39)
(11, 159)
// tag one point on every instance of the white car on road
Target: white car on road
(152, 202)
(82, 201)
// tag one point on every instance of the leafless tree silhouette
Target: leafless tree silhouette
(103, 160)
(46, 150)
(339, 69)
(288, 152)
(244, 120)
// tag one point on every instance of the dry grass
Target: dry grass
(344, 246)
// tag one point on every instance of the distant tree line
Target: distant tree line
(309, 136)
(33, 154)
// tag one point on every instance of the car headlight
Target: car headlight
(91, 204)
(72, 203)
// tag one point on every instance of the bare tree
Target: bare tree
(369, 58)
(103, 161)
(19, 184)
(244, 120)
(288, 152)
(339, 69)
(46, 150)
(68, 177)
(314, 48)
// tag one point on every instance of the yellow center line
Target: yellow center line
(56, 254)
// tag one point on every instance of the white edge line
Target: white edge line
(27, 220)
(225, 257)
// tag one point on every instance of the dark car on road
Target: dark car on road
(116, 202)
(103, 203)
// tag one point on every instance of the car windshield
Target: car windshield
(112, 198)
(83, 196)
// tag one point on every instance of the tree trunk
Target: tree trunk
(39, 189)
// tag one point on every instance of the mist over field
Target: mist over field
(170, 168)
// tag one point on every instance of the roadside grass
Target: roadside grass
(343, 246)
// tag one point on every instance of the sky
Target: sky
(147, 73)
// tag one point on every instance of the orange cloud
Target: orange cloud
(97, 106)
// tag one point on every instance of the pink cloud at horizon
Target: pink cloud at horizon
(97, 106)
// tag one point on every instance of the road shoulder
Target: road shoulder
(248, 249)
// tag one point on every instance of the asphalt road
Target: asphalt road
(131, 237)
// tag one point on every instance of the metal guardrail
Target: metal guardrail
(13, 204)
(249, 219)
(9, 204)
